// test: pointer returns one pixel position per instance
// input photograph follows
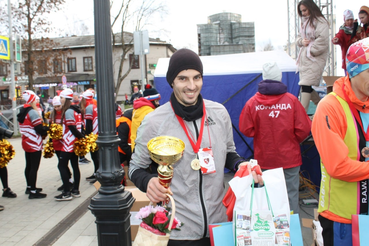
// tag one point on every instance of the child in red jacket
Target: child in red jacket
(348, 34)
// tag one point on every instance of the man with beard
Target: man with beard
(204, 126)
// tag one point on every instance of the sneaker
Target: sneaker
(28, 190)
(91, 178)
(75, 193)
(36, 195)
(9, 193)
(83, 161)
(61, 188)
(64, 196)
(1, 207)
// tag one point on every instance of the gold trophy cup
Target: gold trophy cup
(165, 151)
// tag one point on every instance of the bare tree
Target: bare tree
(137, 18)
(30, 21)
(268, 46)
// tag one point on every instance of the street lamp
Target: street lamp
(112, 204)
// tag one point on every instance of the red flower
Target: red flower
(159, 218)
(175, 222)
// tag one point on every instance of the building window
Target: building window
(152, 65)
(134, 61)
(58, 66)
(3, 70)
(41, 67)
(4, 94)
(87, 63)
(72, 67)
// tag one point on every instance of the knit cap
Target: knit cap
(357, 57)
(183, 59)
(150, 93)
(67, 93)
(88, 95)
(29, 96)
(271, 71)
(364, 8)
(348, 15)
(56, 101)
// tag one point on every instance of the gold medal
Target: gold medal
(365, 152)
(195, 164)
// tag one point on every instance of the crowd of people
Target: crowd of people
(77, 114)
(339, 128)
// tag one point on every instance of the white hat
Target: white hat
(67, 93)
(92, 90)
(348, 15)
(88, 94)
(56, 101)
(29, 96)
(271, 71)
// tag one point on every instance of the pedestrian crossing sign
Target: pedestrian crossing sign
(4, 48)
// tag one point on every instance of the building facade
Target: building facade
(225, 34)
(75, 67)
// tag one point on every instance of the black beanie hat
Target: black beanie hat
(151, 93)
(183, 59)
(128, 113)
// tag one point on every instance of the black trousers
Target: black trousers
(4, 177)
(64, 170)
(328, 233)
(202, 242)
(57, 152)
(95, 159)
(32, 164)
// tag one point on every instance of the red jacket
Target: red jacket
(91, 114)
(118, 112)
(71, 118)
(344, 40)
(28, 119)
(278, 123)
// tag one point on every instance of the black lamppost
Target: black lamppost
(112, 204)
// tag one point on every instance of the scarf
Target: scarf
(307, 31)
(189, 113)
(347, 29)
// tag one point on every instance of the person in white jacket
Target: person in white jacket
(313, 41)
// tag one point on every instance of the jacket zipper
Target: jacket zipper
(200, 188)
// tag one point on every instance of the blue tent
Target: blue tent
(232, 80)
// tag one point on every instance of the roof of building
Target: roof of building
(89, 41)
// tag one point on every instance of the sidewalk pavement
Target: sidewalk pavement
(25, 221)
(48, 222)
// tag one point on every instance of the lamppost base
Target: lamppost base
(112, 212)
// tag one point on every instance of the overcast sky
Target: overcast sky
(180, 25)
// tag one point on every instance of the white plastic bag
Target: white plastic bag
(275, 189)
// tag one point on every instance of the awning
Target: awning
(70, 78)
